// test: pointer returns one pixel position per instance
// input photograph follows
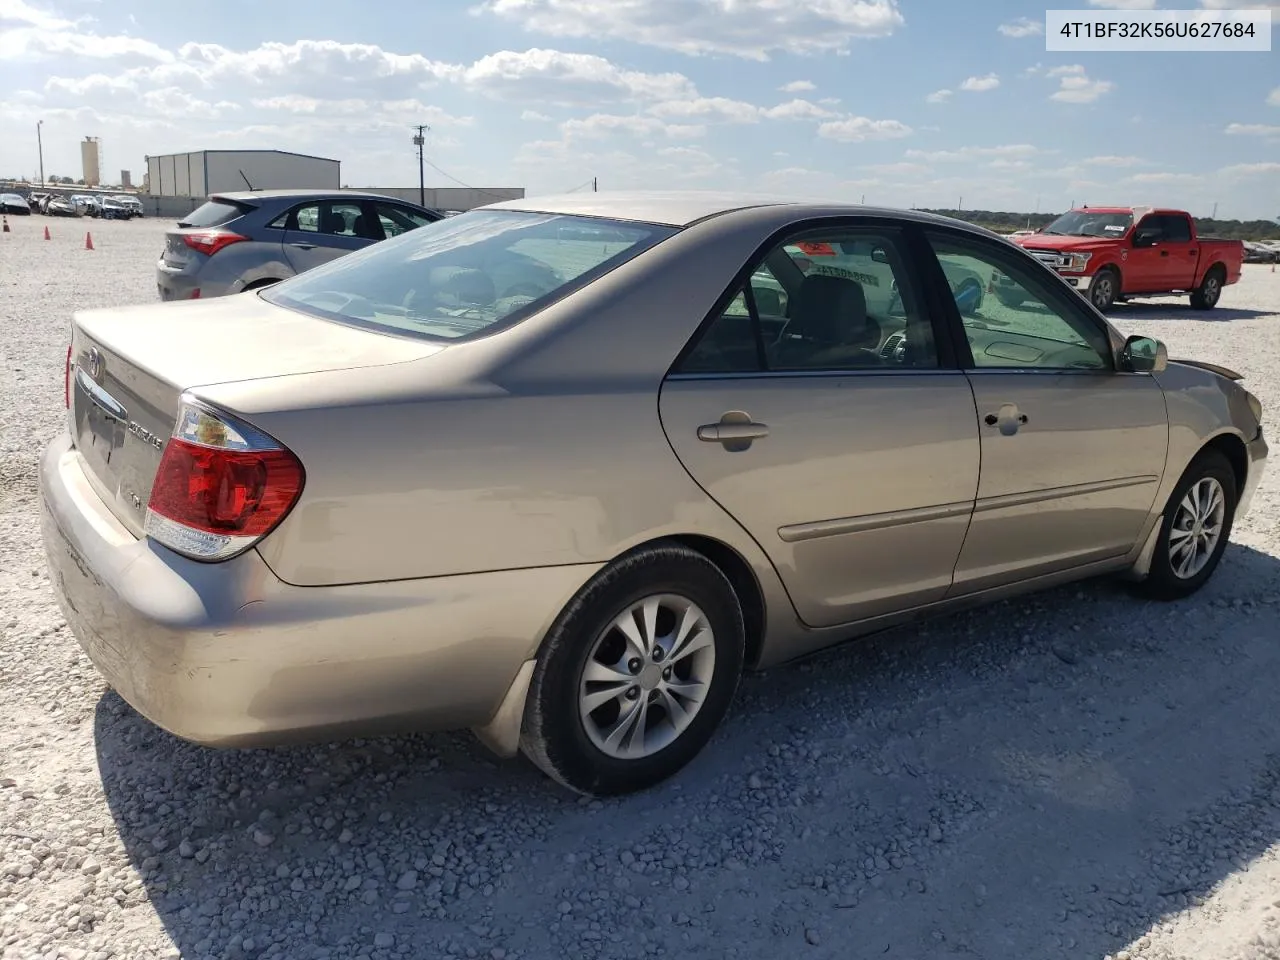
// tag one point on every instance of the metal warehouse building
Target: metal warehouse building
(204, 172)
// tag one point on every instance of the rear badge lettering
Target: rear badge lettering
(142, 433)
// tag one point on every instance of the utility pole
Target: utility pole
(1214, 215)
(419, 141)
(595, 184)
(40, 147)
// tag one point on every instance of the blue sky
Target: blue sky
(904, 102)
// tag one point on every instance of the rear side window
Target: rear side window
(1176, 229)
(214, 213)
(463, 274)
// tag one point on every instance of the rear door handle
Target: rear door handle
(722, 432)
(1164, 253)
(736, 430)
(1008, 419)
(303, 246)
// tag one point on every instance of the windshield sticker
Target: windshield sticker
(817, 249)
(866, 279)
(1115, 228)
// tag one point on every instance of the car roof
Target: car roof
(680, 208)
(248, 196)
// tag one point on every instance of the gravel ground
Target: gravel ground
(1077, 774)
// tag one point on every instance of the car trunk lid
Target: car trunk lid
(130, 367)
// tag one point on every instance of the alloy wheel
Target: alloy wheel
(647, 676)
(1197, 528)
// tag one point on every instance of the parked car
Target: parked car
(132, 205)
(1112, 254)
(113, 209)
(404, 489)
(1260, 253)
(252, 239)
(15, 204)
(37, 200)
(59, 206)
(87, 205)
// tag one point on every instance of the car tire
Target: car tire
(1172, 577)
(1104, 289)
(1207, 295)
(583, 732)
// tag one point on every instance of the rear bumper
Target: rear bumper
(228, 655)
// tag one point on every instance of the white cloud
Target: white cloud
(901, 169)
(1250, 169)
(796, 110)
(534, 116)
(553, 76)
(600, 125)
(938, 96)
(708, 108)
(1074, 85)
(744, 28)
(981, 84)
(1007, 151)
(1124, 4)
(797, 86)
(1114, 161)
(1273, 97)
(856, 129)
(1021, 27)
(1254, 129)
(1164, 178)
(24, 15)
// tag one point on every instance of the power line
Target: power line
(450, 176)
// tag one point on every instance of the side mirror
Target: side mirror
(1144, 355)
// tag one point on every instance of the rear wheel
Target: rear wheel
(636, 674)
(1105, 289)
(1196, 527)
(1207, 295)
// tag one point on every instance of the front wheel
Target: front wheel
(636, 674)
(1104, 289)
(1195, 529)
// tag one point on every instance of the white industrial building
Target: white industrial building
(202, 172)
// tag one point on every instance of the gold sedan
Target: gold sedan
(559, 470)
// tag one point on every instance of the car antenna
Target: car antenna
(246, 180)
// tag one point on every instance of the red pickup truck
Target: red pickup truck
(1112, 254)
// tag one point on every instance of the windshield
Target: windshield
(1086, 223)
(463, 274)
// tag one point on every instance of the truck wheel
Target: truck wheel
(1104, 289)
(1206, 296)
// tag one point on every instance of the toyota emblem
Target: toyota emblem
(95, 363)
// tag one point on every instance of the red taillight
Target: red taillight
(210, 242)
(221, 486)
(66, 385)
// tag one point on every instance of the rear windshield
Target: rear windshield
(214, 213)
(463, 274)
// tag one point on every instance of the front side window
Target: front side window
(1027, 320)
(838, 302)
(397, 220)
(460, 275)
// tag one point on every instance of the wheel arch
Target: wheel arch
(1233, 448)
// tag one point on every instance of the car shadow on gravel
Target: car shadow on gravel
(1047, 777)
(1138, 310)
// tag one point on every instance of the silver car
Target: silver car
(558, 470)
(249, 240)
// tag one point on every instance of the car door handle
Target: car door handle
(736, 430)
(1164, 253)
(303, 246)
(728, 432)
(1008, 419)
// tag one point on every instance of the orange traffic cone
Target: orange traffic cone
(88, 240)
(46, 233)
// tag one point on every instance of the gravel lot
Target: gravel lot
(1078, 774)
